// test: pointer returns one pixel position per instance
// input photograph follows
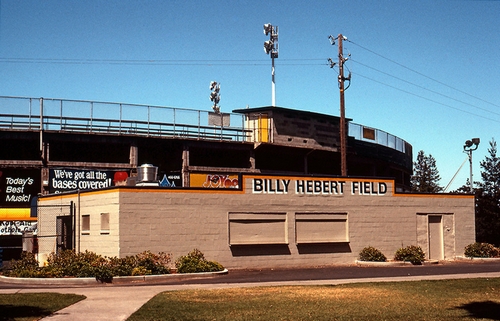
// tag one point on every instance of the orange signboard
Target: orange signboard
(214, 180)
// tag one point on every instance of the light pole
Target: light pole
(271, 47)
(469, 147)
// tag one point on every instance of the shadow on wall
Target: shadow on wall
(319, 248)
(283, 249)
(260, 249)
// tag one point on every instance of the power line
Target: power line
(424, 75)
(424, 88)
(196, 62)
(126, 62)
(243, 62)
(425, 98)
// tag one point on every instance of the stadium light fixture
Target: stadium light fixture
(215, 96)
(271, 48)
(469, 147)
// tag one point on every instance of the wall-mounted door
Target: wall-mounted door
(64, 229)
(435, 237)
(263, 128)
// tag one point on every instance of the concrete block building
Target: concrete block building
(263, 221)
(255, 186)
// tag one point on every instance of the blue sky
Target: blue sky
(425, 71)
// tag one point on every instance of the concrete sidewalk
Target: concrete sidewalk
(116, 303)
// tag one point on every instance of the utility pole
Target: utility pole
(341, 79)
(343, 140)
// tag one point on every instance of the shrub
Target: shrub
(195, 262)
(103, 272)
(411, 253)
(154, 263)
(481, 250)
(122, 266)
(26, 267)
(68, 263)
(371, 254)
(140, 270)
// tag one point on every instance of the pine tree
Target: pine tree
(464, 189)
(488, 198)
(425, 177)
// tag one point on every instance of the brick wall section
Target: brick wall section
(176, 221)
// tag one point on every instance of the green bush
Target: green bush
(371, 254)
(103, 273)
(154, 263)
(411, 253)
(481, 250)
(195, 262)
(140, 270)
(68, 263)
(26, 267)
(121, 266)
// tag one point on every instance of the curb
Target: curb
(116, 280)
(393, 263)
(480, 259)
(165, 277)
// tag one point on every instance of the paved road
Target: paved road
(118, 301)
(349, 272)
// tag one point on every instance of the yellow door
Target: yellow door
(263, 128)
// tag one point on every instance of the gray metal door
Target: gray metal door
(64, 231)
(435, 237)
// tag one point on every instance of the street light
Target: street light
(469, 147)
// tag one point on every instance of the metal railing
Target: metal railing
(20, 113)
(377, 136)
(116, 118)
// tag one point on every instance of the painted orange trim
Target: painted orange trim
(143, 190)
(182, 190)
(243, 188)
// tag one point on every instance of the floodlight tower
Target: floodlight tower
(215, 96)
(271, 47)
(469, 147)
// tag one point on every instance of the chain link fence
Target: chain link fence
(58, 228)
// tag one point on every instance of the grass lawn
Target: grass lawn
(468, 299)
(33, 306)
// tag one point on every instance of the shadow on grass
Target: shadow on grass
(488, 310)
(13, 312)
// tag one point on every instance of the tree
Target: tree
(490, 171)
(464, 189)
(425, 177)
(488, 198)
